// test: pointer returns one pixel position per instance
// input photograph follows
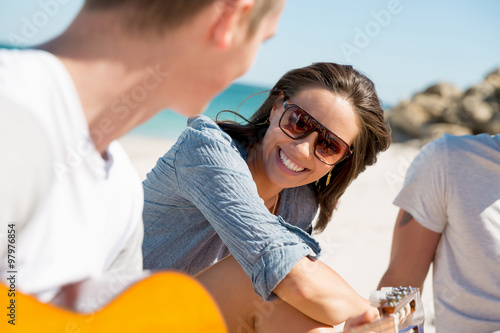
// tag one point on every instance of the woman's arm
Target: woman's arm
(318, 291)
(244, 310)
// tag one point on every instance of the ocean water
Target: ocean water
(168, 124)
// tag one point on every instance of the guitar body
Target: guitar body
(164, 302)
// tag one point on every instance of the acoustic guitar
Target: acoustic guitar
(401, 310)
(163, 302)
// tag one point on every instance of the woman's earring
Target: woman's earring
(329, 176)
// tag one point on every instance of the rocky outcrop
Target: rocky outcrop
(443, 108)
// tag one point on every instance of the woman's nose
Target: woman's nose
(305, 146)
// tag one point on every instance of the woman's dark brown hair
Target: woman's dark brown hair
(374, 132)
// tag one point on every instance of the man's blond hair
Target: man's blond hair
(160, 15)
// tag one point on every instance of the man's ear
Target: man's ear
(233, 20)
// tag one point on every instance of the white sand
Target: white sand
(357, 242)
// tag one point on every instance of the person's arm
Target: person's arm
(413, 248)
(319, 292)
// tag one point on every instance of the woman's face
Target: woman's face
(291, 163)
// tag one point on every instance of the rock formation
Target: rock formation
(443, 108)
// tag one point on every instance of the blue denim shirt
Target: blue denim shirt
(201, 204)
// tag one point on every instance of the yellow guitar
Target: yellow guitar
(400, 309)
(164, 302)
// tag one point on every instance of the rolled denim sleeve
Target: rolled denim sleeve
(272, 262)
(212, 174)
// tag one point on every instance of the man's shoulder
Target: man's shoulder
(20, 64)
(464, 142)
(36, 80)
(448, 146)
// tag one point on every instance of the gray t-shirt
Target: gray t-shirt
(201, 204)
(453, 188)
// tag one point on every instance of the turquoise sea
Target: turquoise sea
(168, 124)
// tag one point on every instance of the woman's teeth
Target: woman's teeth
(289, 164)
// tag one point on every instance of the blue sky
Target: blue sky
(402, 45)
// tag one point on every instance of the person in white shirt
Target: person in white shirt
(450, 217)
(67, 187)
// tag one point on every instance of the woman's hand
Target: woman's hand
(368, 316)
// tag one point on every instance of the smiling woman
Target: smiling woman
(346, 102)
(216, 193)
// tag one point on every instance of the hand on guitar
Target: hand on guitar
(400, 311)
(368, 316)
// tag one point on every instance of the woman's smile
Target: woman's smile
(288, 164)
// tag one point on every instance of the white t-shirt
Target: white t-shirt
(453, 188)
(76, 215)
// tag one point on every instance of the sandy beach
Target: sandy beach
(357, 242)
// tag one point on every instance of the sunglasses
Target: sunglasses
(296, 123)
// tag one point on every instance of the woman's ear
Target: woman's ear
(273, 110)
(277, 107)
(232, 21)
(278, 104)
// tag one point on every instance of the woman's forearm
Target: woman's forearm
(319, 292)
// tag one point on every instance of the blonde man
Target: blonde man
(68, 189)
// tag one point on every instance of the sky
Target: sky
(402, 45)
